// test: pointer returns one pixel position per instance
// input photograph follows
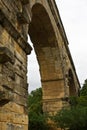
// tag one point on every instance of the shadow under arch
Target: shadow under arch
(40, 28)
(43, 37)
(72, 88)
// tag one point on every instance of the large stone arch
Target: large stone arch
(44, 40)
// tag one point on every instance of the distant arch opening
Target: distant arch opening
(72, 89)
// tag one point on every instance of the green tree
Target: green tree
(37, 119)
(35, 101)
(82, 100)
(83, 91)
(74, 119)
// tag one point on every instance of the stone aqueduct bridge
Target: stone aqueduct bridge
(41, 20)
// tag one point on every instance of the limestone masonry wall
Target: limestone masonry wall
(13, 65)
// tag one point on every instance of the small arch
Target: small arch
(71, 83)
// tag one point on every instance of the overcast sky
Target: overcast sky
(74, 17)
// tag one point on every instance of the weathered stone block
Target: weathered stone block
(20, 100)
(5, 95)
(16, 118)
(13, 107)
(19, 89)
(11, 126)
(52, 105)
(7, 82)
(8, 72)
(6, 55)
(3, 126)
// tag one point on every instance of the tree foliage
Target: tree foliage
(83, 91)
(37, 119)
(74, 119)
(35, 101)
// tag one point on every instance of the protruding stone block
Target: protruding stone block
(6, 55)
(5, 96)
